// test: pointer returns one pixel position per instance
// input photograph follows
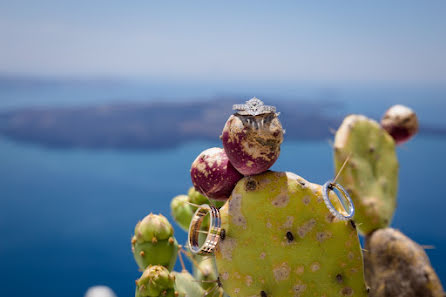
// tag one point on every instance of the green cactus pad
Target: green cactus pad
(280, 239)
(206, 273)
(197, 198)
(371, 174)
(153, 242)
(155, 281)
(187, 286)
(182, 211)
(163, 253)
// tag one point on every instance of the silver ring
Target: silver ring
(253, 106)
(346, 201)
(213, 234)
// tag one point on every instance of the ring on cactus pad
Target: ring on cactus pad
(196, 234)
(253, 106)
(345, 200)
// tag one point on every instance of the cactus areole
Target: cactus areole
(213, 175)
(252, 139)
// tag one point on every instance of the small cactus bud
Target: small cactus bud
(153, 242)
(155, 281)
(153, 227)
(196, 197)
(182, 211)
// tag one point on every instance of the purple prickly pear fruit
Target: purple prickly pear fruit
(213, 175)
(400, 122)
(252, 142)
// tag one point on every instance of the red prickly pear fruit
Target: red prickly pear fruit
(213, 175)
(400, 122)
(252, 143)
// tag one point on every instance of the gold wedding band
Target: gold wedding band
(213, 234)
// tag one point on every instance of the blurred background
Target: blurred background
(105, 104)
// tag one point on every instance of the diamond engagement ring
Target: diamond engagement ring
(253, 106)
(345, 200)
(212, 235)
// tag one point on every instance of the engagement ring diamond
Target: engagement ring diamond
(253, 106)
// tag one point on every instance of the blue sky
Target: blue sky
(327, 41)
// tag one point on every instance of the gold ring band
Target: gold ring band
(213, 234)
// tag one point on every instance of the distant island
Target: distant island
(158, 125)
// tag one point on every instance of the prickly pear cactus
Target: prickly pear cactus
(153, 242)
(280, 239)
(155, 281)
(187, 286)
(196, 197)
(397, 266)
(183, 207)
(206, 273)
(182, 211)
(371, 174)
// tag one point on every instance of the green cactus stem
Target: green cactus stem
(280, 239)
(371, 174)
(156, 281)
(153, 242)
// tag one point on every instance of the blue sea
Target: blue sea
(67, 215)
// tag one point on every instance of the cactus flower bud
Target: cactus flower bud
(153, 242)
(155, 281)
(196, 197)
(182, 211)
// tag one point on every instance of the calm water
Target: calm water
(66, 216)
